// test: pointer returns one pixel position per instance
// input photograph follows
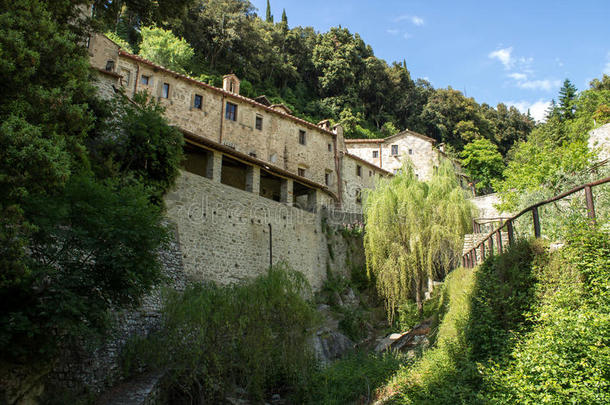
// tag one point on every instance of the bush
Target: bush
(353, 378)
(93, 248)
(217, 338)
(567, 353)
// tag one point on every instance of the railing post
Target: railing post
(511, 234)
(499, 240)
(482, 251)
(590, 205)
(536, 222)
(491, 245)
(474, 256)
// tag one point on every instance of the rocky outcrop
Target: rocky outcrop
(329, 345)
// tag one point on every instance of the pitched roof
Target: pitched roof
(366, 162)
(406, 132)
(225, 93)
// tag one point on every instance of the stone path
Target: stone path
(142, 390)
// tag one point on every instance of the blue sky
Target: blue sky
(516, 52)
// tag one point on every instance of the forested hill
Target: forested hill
(318, 75)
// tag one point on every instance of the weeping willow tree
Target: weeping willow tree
(414, 231)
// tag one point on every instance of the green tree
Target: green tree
(73, 241)
(164, 48)
(483, 163)
(284, 17)
(413, 232)
(268, 15)
(567, 98)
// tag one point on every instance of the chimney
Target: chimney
(230, 83)
(338, 129)
(325, 124)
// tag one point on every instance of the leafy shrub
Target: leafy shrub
(353, 378)
(94, 248)
(567, 353)
(216, 338)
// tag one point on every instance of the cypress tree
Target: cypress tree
(284, 17)
(268, 16)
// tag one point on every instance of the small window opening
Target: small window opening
(165, 91)
(110, 65)
(358, 170)
(375, 154)
(394, 150)
(301, 172)
(145, 80)
(198, 102)
(231, 111)
(302, 139)
(258, 124)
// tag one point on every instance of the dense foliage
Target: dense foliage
(79, 227)
(333, 75)
(414, 231)
(483, 163)
(555, 156)
(528, 326)
(250, 336)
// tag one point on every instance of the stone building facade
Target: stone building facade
(263, 148)
(391, 153)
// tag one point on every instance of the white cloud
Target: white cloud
(559, 62)
(392, 31)
(518, 76)
(415, 20)
(504, 56)
(537, 109)
(406, 35)
(545, 84)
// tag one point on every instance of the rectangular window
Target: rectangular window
(370, 173)
(301, 172)
(358, 195)
(302, 137)
(394, 150)
(165, 90)
(375, 154)
(330, 147)
(231, 111)
(359, 170)
(327, 178)
(258, 124)
(145, 80)
(198, 102)
(410, 151)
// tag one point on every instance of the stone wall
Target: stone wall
(224, 233)
(599, 140)
(95, 367)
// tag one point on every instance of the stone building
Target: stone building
(256, 180)
(242, 142)
(390, 153)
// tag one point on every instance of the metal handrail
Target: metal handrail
(470, 259)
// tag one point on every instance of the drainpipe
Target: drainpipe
(222, 117)
(270, 247)
(135, 86)
(338, 170)
(380, 156)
